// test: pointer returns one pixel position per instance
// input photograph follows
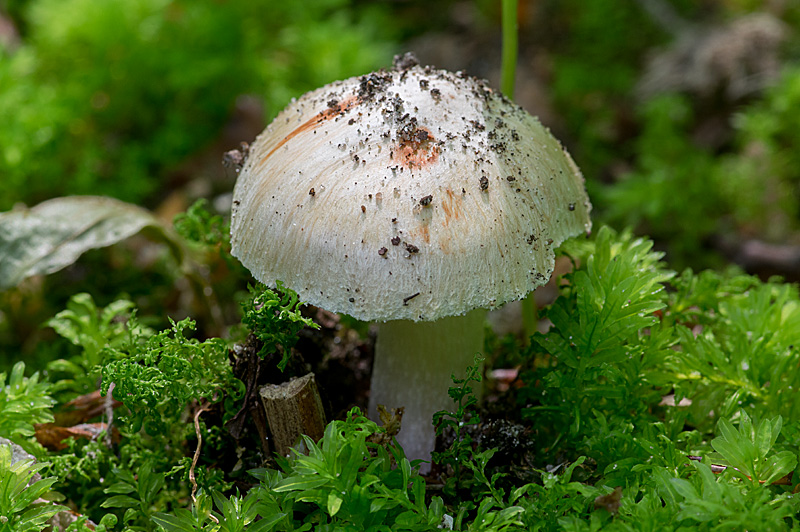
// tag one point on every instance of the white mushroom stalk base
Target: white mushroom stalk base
(413, 365)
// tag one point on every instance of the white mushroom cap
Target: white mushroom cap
(411, 194)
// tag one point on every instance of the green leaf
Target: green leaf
(65, 366)
(766, 435)
(53, 234)
(120, 501)
(149, 483)
(172, 523)
(275, 319)
(684, 488)
(300, 483)
(778, 466)
(119, 487)
(747, 449)
(267, 523)
(34, 518)
(334, 503)
(408, 518)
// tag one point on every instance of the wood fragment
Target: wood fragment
(293, 408)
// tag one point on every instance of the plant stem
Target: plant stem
(530, 318)
(509, 65)
(530, 314)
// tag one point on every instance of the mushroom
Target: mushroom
(409, 197)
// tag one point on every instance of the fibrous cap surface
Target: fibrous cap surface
(410, 194)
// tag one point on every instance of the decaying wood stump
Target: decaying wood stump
(293, 408)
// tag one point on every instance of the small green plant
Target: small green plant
(461, 451)
(81, 470)
(275, 319)
(704, 500)
(345, 482)
(92, 330)
(747, 450)
(347, 479)
(196, 520)
(234, 514)
(507, 514)
(556, 496)
(745, 353)
(157, 375)
(208, 232)
(600, 360)
(199, 226)
(137, 494)
(21, 507)
(24, 402)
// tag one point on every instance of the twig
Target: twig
(109, 408)
(199, 435)
(755, 254)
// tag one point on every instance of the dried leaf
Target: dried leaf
(83, 408)
(609, 501)
(52, 436)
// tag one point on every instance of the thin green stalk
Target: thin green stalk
(530, 314)
(530, 318)
(509, 65)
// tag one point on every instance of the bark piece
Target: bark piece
(293, 408)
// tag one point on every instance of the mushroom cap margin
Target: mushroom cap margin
(411, 194)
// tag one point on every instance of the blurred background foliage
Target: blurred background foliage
(110, 98)
(682, 115)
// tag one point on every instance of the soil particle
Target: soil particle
(372, 85)
(235, 159)
(409, 298)
(404, 62)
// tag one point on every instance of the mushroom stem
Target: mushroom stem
(413, 365)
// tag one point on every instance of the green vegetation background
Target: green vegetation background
(137, 99)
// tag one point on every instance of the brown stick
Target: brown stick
(199, 435)
(293, 408)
